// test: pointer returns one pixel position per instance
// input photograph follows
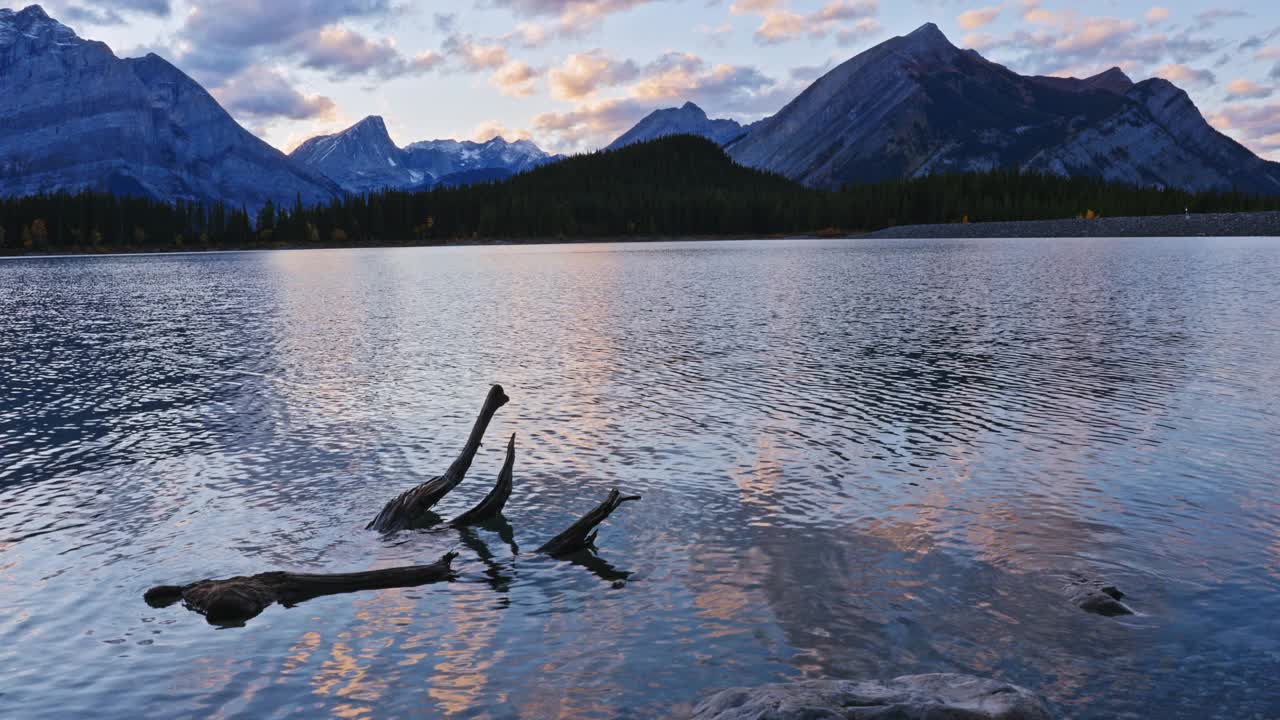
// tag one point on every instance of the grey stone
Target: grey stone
(913, 697)
(1097, 597)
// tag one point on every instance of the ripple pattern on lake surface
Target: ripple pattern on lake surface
(858, 459)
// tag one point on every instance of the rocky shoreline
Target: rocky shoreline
(1260, 224)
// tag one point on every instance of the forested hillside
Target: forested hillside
(675, 186)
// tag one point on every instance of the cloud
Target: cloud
(263, 94)
(475, 56)
(677, 77)
(1209, 18)
(974, 19)
(669, 80)
(1253, 42)
(1053, 42)
(529, 36)
(593, 123)
(515, 79)
(1187, 76)
(1183, 75)
(1156, 15)
(860, 30)
(108, 12)
(487, 131)
(218, 39)
(1259, 124)
(582, 74)
(809, 73)
(257, 23)
(342, 53)
(571, 16)
(1246, 90)
(847, 19)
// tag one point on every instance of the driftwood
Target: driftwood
(236, 600)
(491, 506)
(581, 535)
(412, 508)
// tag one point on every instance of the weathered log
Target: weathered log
(238, 599)
(493, 503)
(581, 535)
(411, 509)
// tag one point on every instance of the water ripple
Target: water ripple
(858, 459)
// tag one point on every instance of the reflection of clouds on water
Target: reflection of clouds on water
(464, 655)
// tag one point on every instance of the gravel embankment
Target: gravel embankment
(1221, 225)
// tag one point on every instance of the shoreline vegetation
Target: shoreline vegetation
(679, 187)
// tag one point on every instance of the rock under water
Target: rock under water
(1097, 597)
(939, 696)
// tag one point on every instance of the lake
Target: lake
(858, 459)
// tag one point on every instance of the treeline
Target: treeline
(671, 187)
(98, 222)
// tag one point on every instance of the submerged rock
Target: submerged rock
(939, 696)
(1097, 597)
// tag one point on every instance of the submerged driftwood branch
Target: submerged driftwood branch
(581, 534)
(493, 503)
(238, 599)
(412, 508)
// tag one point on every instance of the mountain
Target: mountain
(363, 158)
(75, 117)
(687, 120)
(447, 157)
(917, 105)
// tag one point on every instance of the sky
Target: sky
(574, 74)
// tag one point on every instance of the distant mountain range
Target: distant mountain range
(363, 159)
(73, 116)
(917, 105)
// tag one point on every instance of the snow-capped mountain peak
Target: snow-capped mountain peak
(363, 158)
(30, 30)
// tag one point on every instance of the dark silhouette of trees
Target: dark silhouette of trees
(675, 186)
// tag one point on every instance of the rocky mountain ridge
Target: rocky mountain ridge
(916, 105)
(363, 158)
(686, 120)
(75, 117)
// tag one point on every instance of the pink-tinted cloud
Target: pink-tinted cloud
(1242, 89)
(263, 94)
(981, 17)
(572, 16)
(1183, 75)
(582, 74)
(846, 19)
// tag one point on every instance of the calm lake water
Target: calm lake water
(858, 459)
